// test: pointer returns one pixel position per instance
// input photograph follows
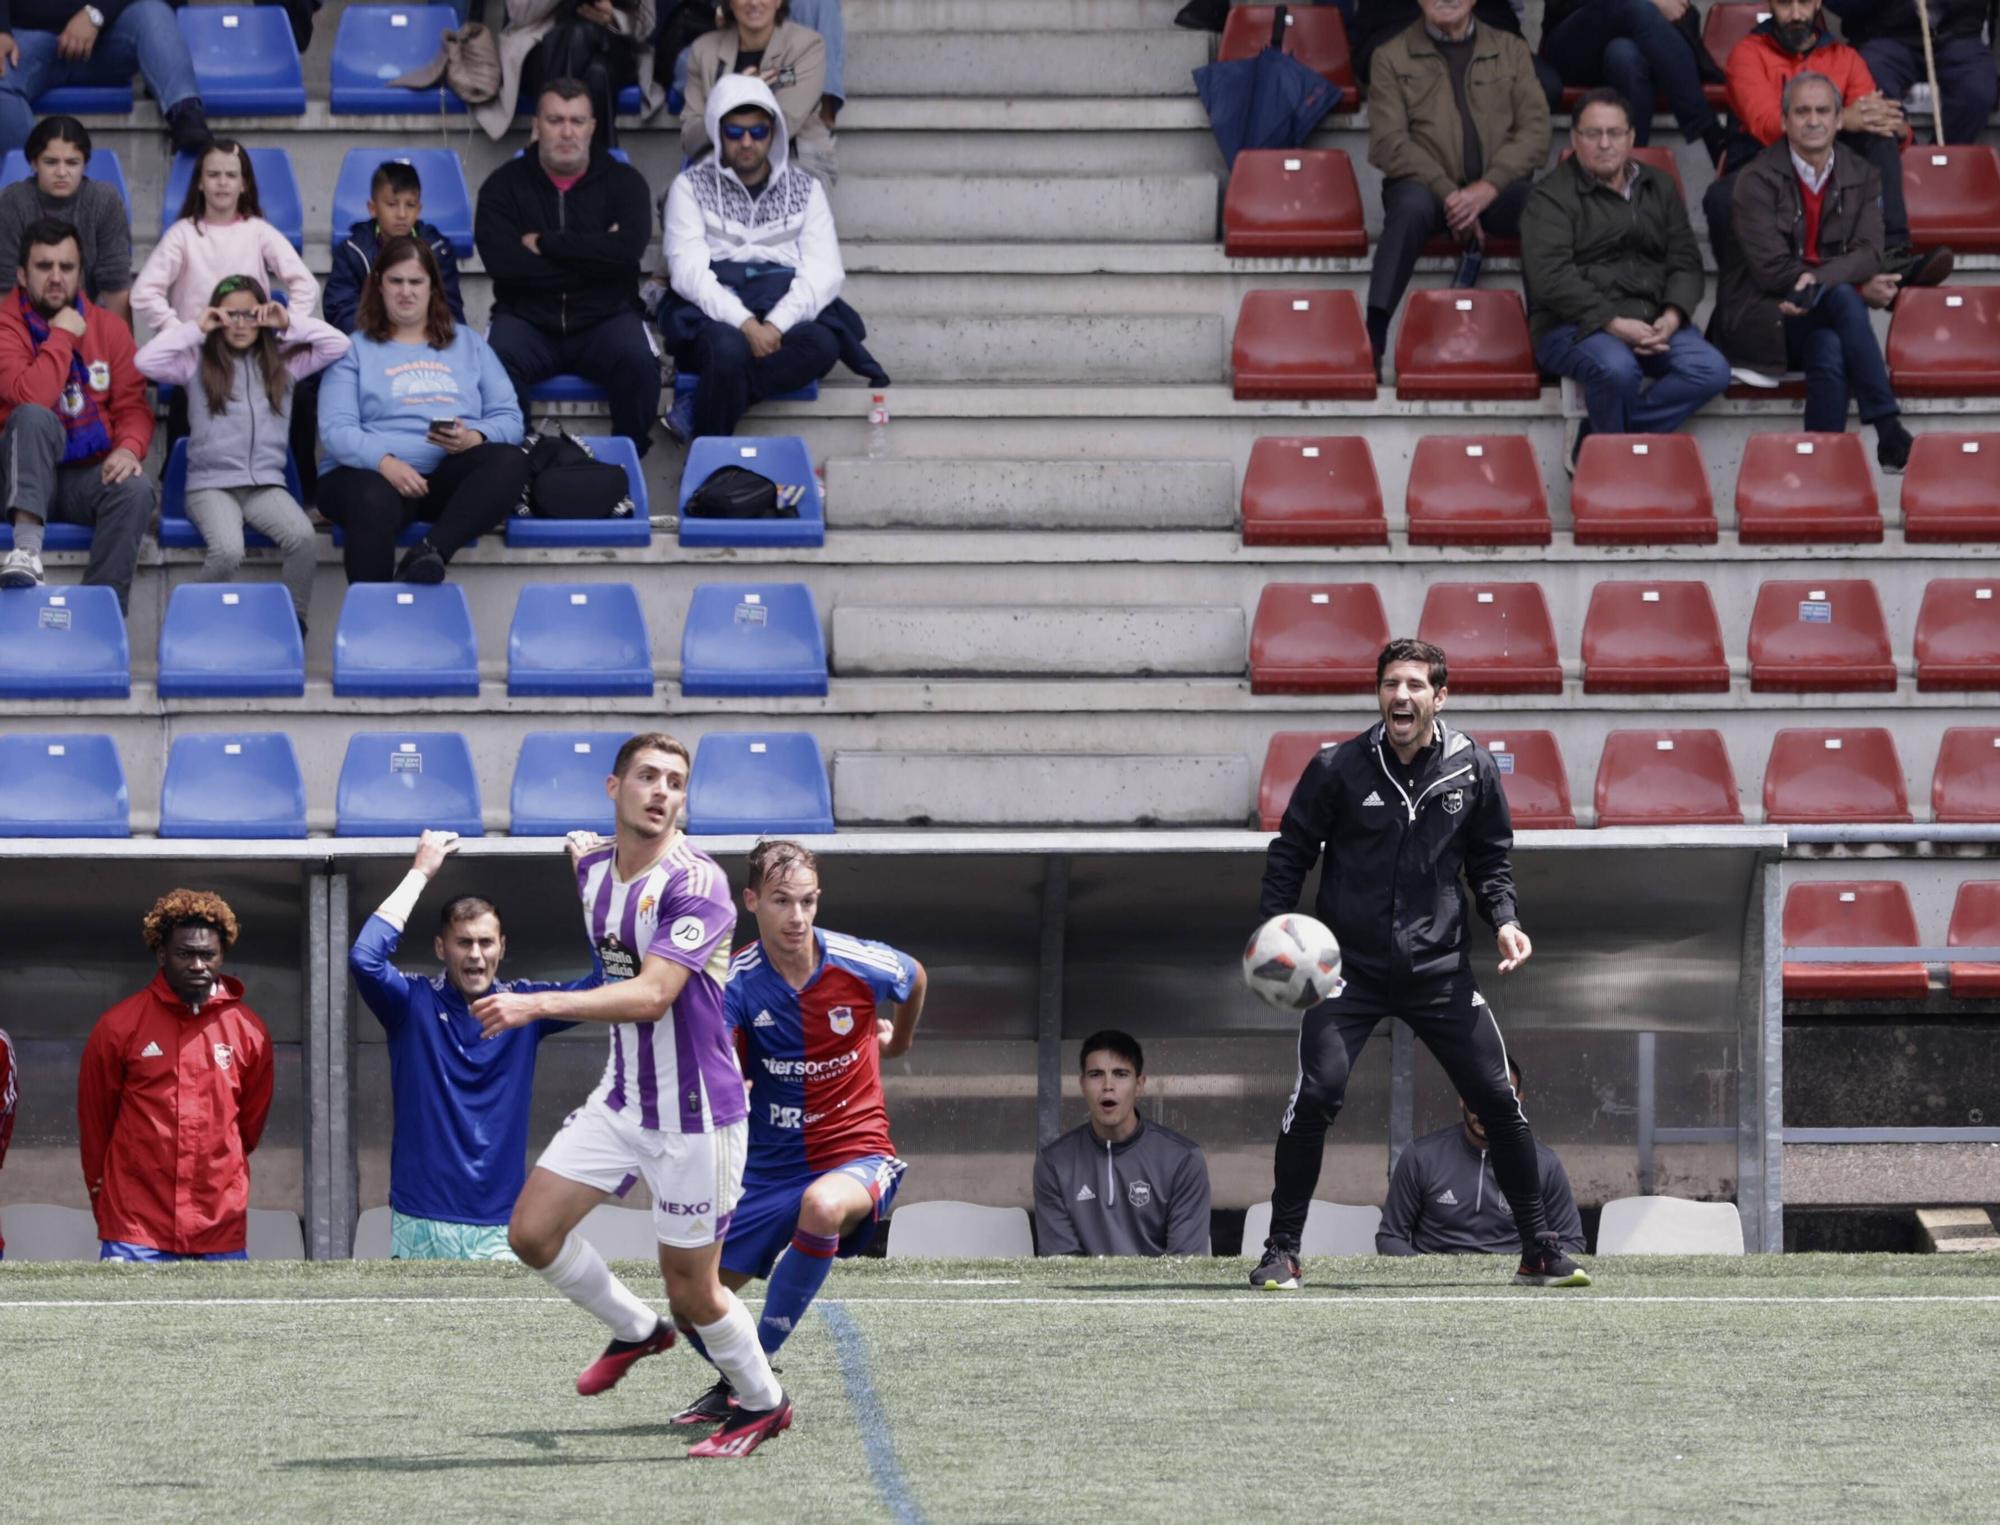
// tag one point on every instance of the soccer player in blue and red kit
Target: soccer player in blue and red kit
(814, 1013)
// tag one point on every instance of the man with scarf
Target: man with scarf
(74, 425)
(755, 266)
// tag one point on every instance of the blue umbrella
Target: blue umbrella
(1270, 101)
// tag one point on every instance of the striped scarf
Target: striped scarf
(82, 420)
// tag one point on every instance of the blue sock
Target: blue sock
(794, 1284)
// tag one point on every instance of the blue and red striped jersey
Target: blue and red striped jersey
(812, 1056)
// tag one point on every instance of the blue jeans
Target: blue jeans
(1614, 378)
(118, 1249)
(1630, 46)
(1835, 346)
(144, 39)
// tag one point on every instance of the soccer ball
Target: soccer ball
(1293, 962)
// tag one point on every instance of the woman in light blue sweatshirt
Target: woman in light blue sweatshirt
(417, 423)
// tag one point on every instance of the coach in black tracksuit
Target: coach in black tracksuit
(1398, 813)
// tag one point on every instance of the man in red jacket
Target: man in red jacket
(175, 1087)
(74, 423)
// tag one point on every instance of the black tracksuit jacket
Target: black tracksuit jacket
(585, 273)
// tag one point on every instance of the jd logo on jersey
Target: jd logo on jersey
(841, 1020)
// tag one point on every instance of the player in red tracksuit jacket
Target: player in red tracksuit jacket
(175, 1087)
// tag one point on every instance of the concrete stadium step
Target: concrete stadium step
(1137, 208)
(987, 640)
(1020, 494)
(1014, 788)
(1157, 62)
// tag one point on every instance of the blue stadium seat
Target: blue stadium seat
(378, 43)
(579, 638)
(102, 165)
(396, 641)
(753, 638)
(177, 531)
(231, 640)
(62, 786)
(447, 202)
(277, 192)
(63, 643)
(85, 100)
(245, 60)
(771, 781)
(566, 388)
(633, 529)
(242, 784)
(398, 783)
(785, 460)
(559, 783)
(686, 381)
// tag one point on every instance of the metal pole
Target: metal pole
(1648, 1111)
(1049, 999)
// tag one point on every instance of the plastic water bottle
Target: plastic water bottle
(878, 426)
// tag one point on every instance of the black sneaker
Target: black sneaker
(1929, 267)
(1892, 447)
(1548, 1266)
(712, 1407)
(1279, 1270)
(421, 563)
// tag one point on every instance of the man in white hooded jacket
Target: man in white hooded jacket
(750, 243)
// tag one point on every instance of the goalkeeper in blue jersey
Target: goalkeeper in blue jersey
(461, 1102)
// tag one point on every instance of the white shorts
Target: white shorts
(695, 1178)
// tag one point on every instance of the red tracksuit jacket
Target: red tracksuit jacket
(168, 1107)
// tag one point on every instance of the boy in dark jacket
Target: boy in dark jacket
(395, 207)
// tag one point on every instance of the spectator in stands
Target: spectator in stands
(58, 150)
(1642, 49)
(1792, 42)
(604, 45)
(10, 1095)
(459, 1156)
(172, 1097)
(755, 308)
(46, 43)
(1119, 1185)
(74, 421)
(1804, 266)
(1444, 1200)
(1613, 276)
(1890, 41)
(395, 210)
(419, 422)
(1376, 21)
(562, 230)
(758, 37)
(1458, 126)
(247, 352)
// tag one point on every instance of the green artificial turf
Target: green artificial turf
(1805, 1387)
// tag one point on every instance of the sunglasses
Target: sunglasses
(736, 132)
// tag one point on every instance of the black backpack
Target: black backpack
(730, 492)
(566, 482)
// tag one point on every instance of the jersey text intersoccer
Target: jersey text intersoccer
(679, 1074)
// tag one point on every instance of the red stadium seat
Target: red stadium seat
(1465, 345)
(1317, 638)
(1497, 637)
(1958, 635)
(1975, 923)
(1952, 488)
(1533, 777)
(1477, 490)
(1667, 778)
(1852, 913)
(1953, 196)
(1313, 491)
(1316, 37)
(1302, 345)
(1653, 638)
(1299, 202)
(1796, 489)
(1285, 762)
(1721, 30)
(1944, 341)
(1835, 777)
(1642, 489)
(1965, 784)
(1820, 637)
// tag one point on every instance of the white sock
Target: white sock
(732, 1346)
(580, 1274)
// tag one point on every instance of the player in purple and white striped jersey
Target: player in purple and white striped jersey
(670, 1108)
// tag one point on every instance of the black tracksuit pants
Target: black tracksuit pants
(1458, 1027)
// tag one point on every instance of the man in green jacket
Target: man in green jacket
(1458, 126)
(1614, 276)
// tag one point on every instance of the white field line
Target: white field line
(1245, 1300)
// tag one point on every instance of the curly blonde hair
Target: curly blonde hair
(180, 908)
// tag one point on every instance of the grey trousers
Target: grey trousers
(31, 447)
(220, 513)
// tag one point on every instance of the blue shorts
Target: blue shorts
(118, 1249)
(768, 1215)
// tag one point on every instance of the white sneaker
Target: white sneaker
(21, 569)
(1752, 377)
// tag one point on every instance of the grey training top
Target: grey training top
(1146, 1196)
(102, 227)
(1445, 1200)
